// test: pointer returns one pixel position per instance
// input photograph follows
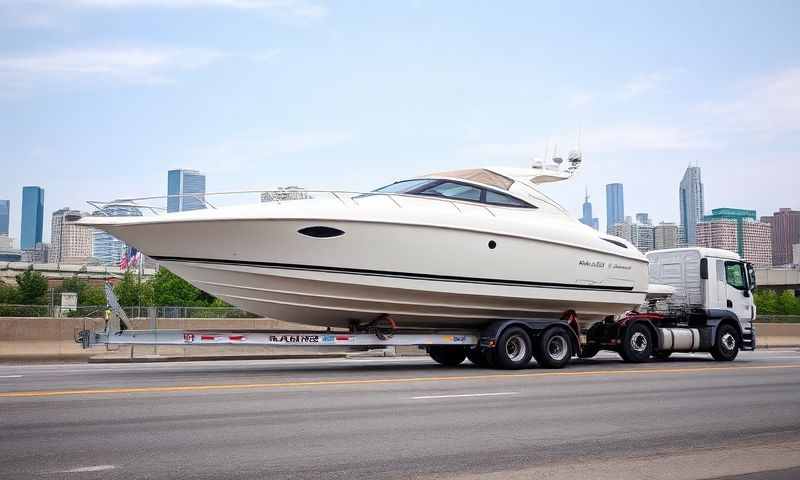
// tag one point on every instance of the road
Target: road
(687, 418)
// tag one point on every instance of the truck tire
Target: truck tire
(514, 349)
(446, 355)
(662, 355)
(479, 357)
(638, 344)
(726, 345)
(554, 348)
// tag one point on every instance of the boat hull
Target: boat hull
(438, 273)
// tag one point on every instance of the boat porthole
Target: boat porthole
(321, 232)
(492, 244)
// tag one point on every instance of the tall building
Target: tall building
(666, 236)
(587, 218)
(188, 188)
(70, 243)
(737, 231)
(615, 206)
(32, 217)
(692, 203)
(105, 247)
(785, 233)
(641, 236)
(5, 208)
(643, 219)
(37, 254)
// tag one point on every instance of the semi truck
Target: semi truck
(700, 300)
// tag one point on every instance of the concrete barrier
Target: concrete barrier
(45, 338)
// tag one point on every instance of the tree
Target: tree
(170, 289)
(131, 292)
(92, 296)
(8, 294)
(766, 302)
(31, 287)
(788, 304)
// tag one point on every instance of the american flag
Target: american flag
(130, 258)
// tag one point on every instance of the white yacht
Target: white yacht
(451, 249)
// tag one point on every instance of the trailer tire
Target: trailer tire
(726, 345)
(638, 344)
(662, 355)
(447, 355)
(514, 349)
(479, 357)
(553, 348)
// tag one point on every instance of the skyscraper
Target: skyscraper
(70, 243)
(5, 208)
(191, 184)
(692, 204)
(666, 236)
(737, 231)
(587, 218)
(643, 219)
(32, 217)
(615, 206)
(785, 233)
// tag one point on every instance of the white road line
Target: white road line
(464, 395)
(93, 468)
(10, 376)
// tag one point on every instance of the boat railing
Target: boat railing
(159, 205)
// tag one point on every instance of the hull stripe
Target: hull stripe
(406, 275)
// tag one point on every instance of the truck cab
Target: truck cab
(712, 283)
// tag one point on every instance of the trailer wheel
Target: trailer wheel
(447, 355)
(554, 348)
(726, 345)
(479, 357)
(514, 349)
(638, 344)
(662, 355)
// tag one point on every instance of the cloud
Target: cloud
(643, 84)
(138, 65)
(766, 106)
(618, 138)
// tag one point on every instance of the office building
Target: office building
(37, 254)
(5, 211)
(737, 231)
(796, 254)
(32, 221)
(70, 243)
(785, 233)
(665, 236)
(643, 219)
(641, 236)
(692, 204)
(186, 190)
(587, 218)
(615, 206)
(106, 248)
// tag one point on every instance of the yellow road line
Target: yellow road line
(317, 383)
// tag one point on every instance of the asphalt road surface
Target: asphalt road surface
(688, 418)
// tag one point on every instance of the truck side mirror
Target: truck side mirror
(704, 268)
(751, 276)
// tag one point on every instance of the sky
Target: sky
(99, 98)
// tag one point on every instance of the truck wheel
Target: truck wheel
(638, 344)
(554, 348)
(479, 357)
(662, 355)
(513, 350)
(726, 345)
(446, 355)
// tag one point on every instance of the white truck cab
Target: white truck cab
(710, 282)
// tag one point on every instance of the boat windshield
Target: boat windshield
(405, 186)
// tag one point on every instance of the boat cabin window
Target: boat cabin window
(454, 190)
(496, 198)
(404, 186)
